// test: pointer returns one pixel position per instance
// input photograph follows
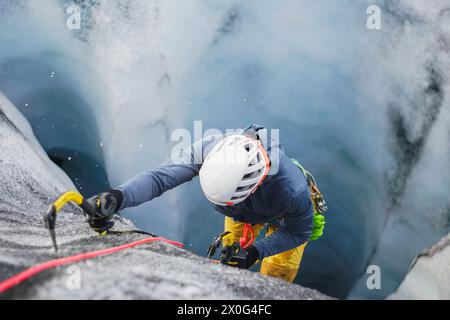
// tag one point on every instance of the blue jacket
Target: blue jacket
(283, 197)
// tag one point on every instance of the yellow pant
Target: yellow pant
(284, 265)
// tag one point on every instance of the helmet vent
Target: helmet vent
(244, 188)
(240, 197)
(250, 175)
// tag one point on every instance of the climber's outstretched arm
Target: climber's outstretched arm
(152, 184)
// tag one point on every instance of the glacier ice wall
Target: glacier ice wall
(413, 67)
(428, 277)
(366, 111)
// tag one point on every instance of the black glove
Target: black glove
(105, 205)
(235, 256)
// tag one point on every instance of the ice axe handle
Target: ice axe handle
(51, 214)
(50, 222)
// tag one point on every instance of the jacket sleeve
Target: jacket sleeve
(295, 230)
(152, 184)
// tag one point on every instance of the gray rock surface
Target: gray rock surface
(29, 182)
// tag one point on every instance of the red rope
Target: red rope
(17, 279)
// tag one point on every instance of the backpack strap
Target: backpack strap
(320, 206)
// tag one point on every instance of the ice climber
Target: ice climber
(249, 179)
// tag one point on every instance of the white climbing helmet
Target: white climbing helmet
(233, 170)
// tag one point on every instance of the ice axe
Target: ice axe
(215, 244)
(228, 239)
(51, 214)
(89, 211)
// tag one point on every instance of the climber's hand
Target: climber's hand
(319, 225)
(105, 205)
(240, 258)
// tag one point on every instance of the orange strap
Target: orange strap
(244, 241)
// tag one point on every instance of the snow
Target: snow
(34, 159)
